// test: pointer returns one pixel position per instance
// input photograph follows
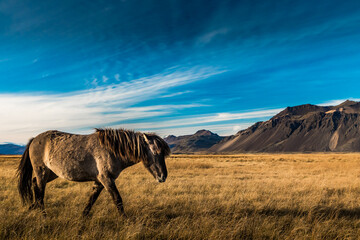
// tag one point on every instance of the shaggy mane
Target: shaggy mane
(130, 145)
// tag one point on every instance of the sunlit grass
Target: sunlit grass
(250, 196)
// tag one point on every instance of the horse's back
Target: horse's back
(69, 156)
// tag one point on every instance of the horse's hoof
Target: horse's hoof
(44, 213)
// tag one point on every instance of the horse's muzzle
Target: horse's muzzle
(161, 179)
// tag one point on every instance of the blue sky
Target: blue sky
(170, 67)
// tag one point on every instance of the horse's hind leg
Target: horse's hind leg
(110, 186)
(97, 188)
(40, 191)
(42, 176)
(34, 205)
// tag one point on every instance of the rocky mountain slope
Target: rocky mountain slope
(202, 140)
(304, 128)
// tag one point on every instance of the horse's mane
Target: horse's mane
(129, 144)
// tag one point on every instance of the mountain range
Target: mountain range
(11, 149)
(303, 128)
(201, 141)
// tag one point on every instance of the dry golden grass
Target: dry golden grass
(250, 196)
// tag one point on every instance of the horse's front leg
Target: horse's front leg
(97, 188)
(110, 186)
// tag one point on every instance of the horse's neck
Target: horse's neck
(125, 162)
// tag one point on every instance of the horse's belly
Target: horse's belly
(73, 170)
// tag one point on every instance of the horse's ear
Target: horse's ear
(146, 139)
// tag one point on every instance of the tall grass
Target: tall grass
(250, 196)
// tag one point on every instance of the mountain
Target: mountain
(202, 140)
(304, 128)
(11, 149)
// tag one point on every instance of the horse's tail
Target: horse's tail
(24, 173)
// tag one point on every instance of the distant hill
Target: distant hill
(11, 149)
(202, 140)
(304, 128)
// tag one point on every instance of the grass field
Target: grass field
(280, 196)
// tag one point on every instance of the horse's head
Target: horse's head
(158, 151)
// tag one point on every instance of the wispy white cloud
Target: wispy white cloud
(337, 101)
(24, 115)
(175, 94)
(208, 37)
(105, 79)
(94, 82)
(203, 121)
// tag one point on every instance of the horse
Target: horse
(98, 157)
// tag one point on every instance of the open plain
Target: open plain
(247, 196)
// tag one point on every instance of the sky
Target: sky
(171, 67)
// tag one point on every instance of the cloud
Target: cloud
(203, 120)
(208, 37)
(94, 82)
(105, 79)
(175, 94)
(117, 77)
(25, 115)
(337, 101)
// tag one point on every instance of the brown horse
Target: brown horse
(98, 157)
